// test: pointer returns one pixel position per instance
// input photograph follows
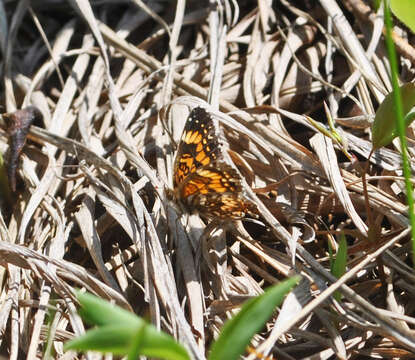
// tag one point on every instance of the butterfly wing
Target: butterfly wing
(202, 180)
(199, 145)
(216, 192)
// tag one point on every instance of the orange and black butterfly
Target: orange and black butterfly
(203, 180)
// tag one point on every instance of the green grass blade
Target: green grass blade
(238, 331)
(338, 266)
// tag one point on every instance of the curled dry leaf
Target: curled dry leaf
(18, 124)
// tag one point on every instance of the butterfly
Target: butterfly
(203, 181)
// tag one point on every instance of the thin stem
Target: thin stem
(400, 121)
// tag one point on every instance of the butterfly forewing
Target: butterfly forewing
(198, 147)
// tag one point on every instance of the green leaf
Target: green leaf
(155, 344)
(123, 340)
(96, 311)
(384, 128)
(338, 266)
(122, 333)
(238, 331)
(405, 11)
(114, 339)
(136, 344)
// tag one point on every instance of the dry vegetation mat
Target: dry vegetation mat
(114, 82)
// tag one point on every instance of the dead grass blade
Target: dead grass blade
(115, 82)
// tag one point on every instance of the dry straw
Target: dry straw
(114, 82)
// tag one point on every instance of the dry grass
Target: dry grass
(90, 209)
